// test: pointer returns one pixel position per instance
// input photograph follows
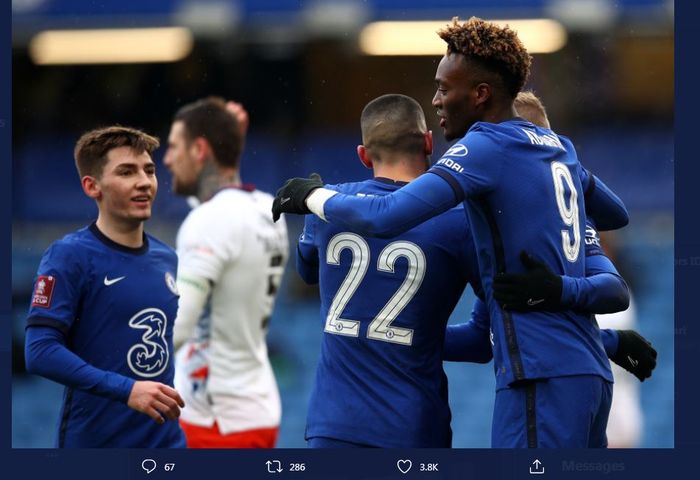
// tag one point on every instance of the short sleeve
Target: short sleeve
(592, 240)
(587, 181)
(57, 288)
(474, 162)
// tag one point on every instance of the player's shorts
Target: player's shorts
(560, 412)
(211, 437)
(325, 442)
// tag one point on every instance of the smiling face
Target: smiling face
(456, 98)
(127, 187)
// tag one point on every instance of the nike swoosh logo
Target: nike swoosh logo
(633, 361)
(285, 200)
(532, 302)
(112, 281)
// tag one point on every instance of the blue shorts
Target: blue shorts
(560, 412)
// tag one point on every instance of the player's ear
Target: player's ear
(428, 142)
(364, 157)
(482, 93)
(91, 187)
(201, 149)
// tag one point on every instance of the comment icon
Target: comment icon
(149, 465)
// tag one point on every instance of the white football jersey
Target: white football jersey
(223, 372)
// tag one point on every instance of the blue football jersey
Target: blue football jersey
(523, 190)
(116, 306)
(592, 240)
(385, 304)
(597, 292)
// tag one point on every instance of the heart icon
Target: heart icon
(404, 465)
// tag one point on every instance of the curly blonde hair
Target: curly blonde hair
(493, 47)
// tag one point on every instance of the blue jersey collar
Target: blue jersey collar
(117, 246)
(389, 181)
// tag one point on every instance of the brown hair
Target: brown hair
(497, 49)
(91, 150)
(209, 119)
(531, 109)
(392, 122)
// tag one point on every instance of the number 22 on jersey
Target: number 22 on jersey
(380, 328)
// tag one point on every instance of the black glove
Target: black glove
(291, 197)
(537, 289)
(635, 354)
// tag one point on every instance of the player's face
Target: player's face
(454, 96)
(128, 185)
(181, 160)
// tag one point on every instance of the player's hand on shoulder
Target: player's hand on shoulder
(635, 354)
(536, 289)
(156, 400)
(291, 198)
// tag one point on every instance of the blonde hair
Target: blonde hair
(530, 107)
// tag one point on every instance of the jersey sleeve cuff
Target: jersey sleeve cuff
(568, 290)
(451, 181)
(47, 322)
(115, 386)
(611, 341)
(124, 387)
(593, 253)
